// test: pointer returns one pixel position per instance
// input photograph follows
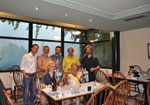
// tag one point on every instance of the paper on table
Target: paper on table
(53, 93)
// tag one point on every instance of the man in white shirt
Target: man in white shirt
(29, 67)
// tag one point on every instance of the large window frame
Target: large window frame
(31, 39)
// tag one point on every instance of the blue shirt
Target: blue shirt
(60, 61)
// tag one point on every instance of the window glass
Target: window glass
(51, 45)
(78, 49)
(46, 32)
(103, 51)
(97, 35)
(11, 52)
(69, 36)
(13, 28)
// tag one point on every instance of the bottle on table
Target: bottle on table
(54, 85)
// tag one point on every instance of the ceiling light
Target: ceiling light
(76, 32)
(92, 41)
(36, 8)
(66, 14)
(90, 20)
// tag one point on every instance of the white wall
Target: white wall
(133, 49)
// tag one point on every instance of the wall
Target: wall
(133, 49)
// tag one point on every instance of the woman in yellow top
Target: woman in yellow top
(75, 78)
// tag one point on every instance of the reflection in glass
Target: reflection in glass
(13, 28)
(78, 49)
(97, 35)
(103, 51)
(68, 36)
(46, 32)
(51, 45)
(11, 52)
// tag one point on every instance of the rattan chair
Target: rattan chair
(101, 77)
(18, 79)
(15, 67)
(122, 90)
(7, 89)
(135, 86)
(148, 93)
(138, 103)
(102, 95)
(6, 99)
(37, 86)
(117, 76)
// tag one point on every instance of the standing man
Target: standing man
(29, 67)
(90, 62)
(69, 60)
(58, 58)
(43, 60)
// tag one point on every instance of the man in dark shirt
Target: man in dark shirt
(90, 62)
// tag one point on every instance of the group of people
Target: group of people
(68, 65)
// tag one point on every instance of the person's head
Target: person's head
(70, 51)
(34, 48)
(75, 67)
(51, 66)
(88, 49)
(46, 50)
(57, 50)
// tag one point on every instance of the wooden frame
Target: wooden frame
(8, 100)
(148, 50)
(148, 93)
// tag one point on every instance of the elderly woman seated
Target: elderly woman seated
(47, 80)
(75, 79)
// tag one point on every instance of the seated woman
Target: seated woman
(75, 78)
(47, 80)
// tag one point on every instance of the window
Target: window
(15, 41)
(51, 45)
(102, 46)
(97, 35)
(46, 32)
(78, 49)
(11, 52)
(12, 28)
(103, 51)
(68, 36)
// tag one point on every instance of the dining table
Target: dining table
(71, 91)
(144, 79)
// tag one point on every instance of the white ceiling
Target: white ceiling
(106, 14)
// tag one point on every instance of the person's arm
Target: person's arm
(63, 65)
(43, 82)
(97, 63)
(77, 61)
(24, 74)
(22, 66)
(39, 64)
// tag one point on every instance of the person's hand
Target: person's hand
(26, 76)
(43, 86)
(60, 83)
(69, 69)
(92, 69)
(94, 56)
